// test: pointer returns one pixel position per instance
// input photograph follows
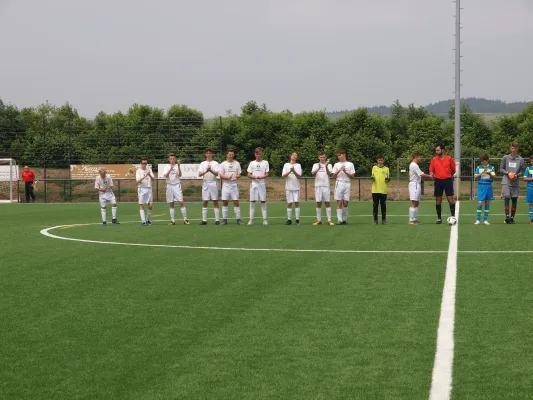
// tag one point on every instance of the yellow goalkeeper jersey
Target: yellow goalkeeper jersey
(380, 175)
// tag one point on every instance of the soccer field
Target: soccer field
(297, 312)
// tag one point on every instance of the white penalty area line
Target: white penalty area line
(441, 382)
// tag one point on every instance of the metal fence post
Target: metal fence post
(359, 184)
(305, 180)
(44, 154)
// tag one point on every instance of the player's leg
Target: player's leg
(531, 213)
(438, 199)
(237, 209)
(103, 211)
(262, 198)
(375, 204)
(318, 211)
(288, 195)
(172, 213)
(478, 210)
(413, 212)
(345, 201)
(32, 195)
(114, 210)
(27, 186)
(383, 202)
(141, 196)
(217, 212)
(149, 211)
(506, 194)
(183, 210)
(487, 212)
(514, 202)
(328, 211)
(339, 212)
(297, 206)
(225, 196)
(204, 207)
(141, 212)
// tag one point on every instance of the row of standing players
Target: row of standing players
(442, 170)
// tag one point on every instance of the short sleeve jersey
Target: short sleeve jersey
(442, 168)
(101, 183)
(380, 174)
(230, 168)
(173, 178)
(258, 168)
(528, 173)
(486, 174)
(321, 176)
(349, 167)
(146, 182)
(415, 173)
(511, 164)
(291, 181)
(204, 165)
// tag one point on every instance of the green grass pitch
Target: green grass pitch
(86, 320)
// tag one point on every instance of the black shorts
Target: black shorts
(443, 185)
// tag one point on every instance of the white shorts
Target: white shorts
(107, 197)
(209, 191)
(174, 193)
(322, 193)
(293, 196)
(415, 191)
(342, 190)
(230, 192)
(258, 192)
(145, 195)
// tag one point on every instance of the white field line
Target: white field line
(441, 383)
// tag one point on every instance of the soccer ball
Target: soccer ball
(452, 221)
(512, 176)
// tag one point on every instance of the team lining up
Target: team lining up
(442, 169)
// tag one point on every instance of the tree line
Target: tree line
(150, 131)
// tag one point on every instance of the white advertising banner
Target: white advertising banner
(188, 171)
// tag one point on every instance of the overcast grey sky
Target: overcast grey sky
(290, 54)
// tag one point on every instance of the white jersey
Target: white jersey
(258, 168)
(230, 169)
(292, 182)
(342, 177)
(101, 183)
(415, 173)
(204, 165)
(173, 178)
(146, 182)
(321, 177)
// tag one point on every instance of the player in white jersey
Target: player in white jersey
(208, 171)
(145, 177)
(415, 187)
(343, 172)
(258, 170)
(292, 172)
(104, 184)
(172, 174)
(229, 172)
(322, 171)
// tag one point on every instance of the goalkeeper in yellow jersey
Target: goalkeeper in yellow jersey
(380, 178)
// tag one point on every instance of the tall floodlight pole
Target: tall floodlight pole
(457, 141)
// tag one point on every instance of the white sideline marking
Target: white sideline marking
(441, 383)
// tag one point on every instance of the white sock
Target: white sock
(149, 215)
(339, 215)
(172, 214)
(345, 213)
(416, 213)
(104, 214)
(114, 212)
(411, 214)
(319, 214)
(224, 212)
(142, 215)
(217, 214)
(289, 213)
(297, 213)
(237, 212)
(264, 210)
(184, 213)
(328, 213)
(252, 211)
(204, 214)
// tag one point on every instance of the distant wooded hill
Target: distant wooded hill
(478, 106)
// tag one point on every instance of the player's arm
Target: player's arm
(151, 175)
(249, 172)
(314, 171)
(201, 171)
(387, 175)
(503, 164)
(139, 180)
(528, 176)
(166, 173)
(179, 168)
(431, 168)
(297, 171)
(110, 187)
(286, 171)
(214, 171)
(97, 187)
(520, 169)
(453, 166)
(350, 174)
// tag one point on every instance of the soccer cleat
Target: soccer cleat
(507, 220)
(439, 221)
(217, 222)
(317, 222)
(331, 223)
(297, 222)
(288, 222)
(203, 223)
(477, 222)
(115, 221)
(250, 223)
(375, 222)
(172, 223)
(144, 223)
(486, 222)
(384, 222)
(239, 222)
(415, 222)
(340, 223)
(345, 222)
(511, 220)
(224, 222)
(148, 222)
(186, 222)
(531, 222)
(265, 222)
(104, 223)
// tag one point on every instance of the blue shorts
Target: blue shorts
(484, 192)
(529, 195)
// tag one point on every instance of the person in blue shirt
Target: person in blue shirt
(485, 174)
(528, 177)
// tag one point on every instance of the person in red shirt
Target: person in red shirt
(442, 169)
(28, 177)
